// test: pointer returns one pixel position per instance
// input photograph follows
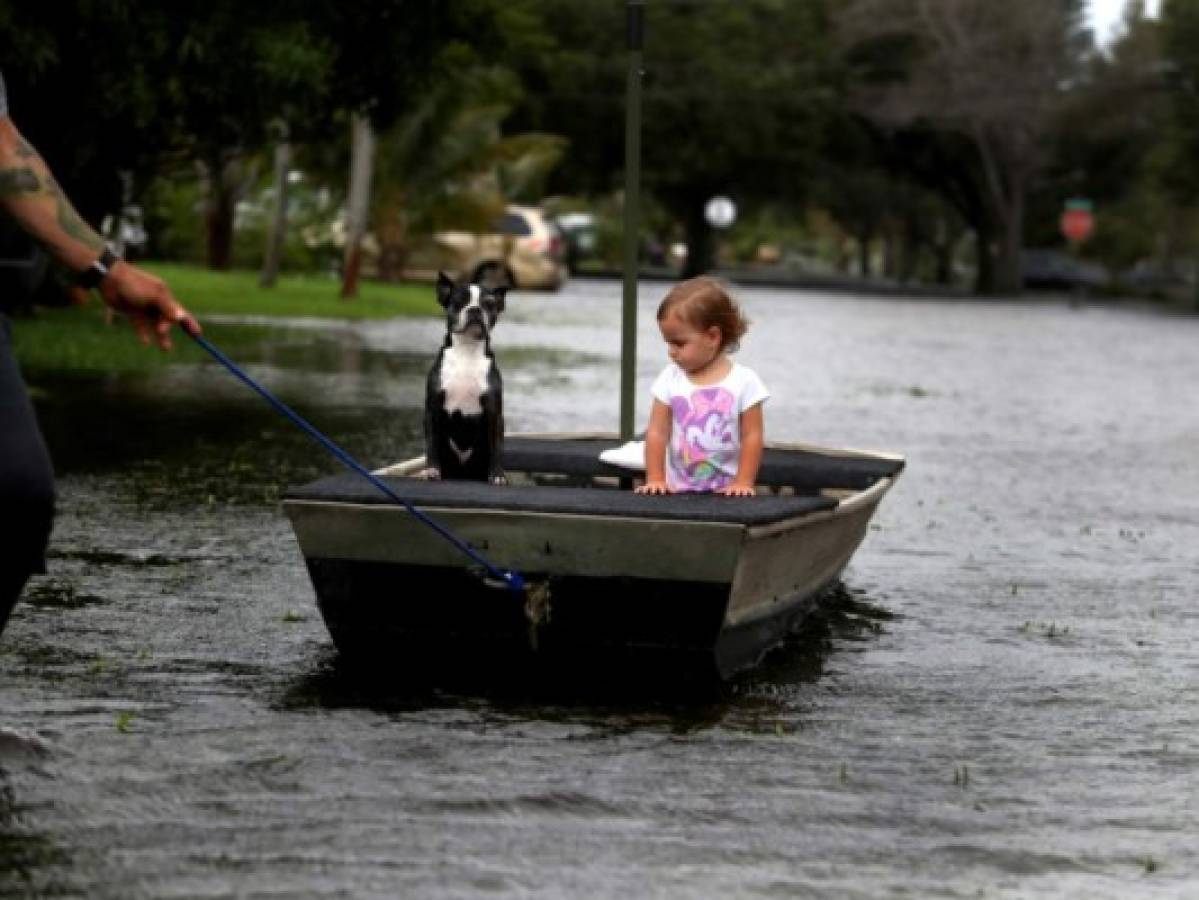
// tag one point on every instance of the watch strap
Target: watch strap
(98, 270)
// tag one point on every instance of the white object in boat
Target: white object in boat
(627, 456)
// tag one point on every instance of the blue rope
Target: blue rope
(510, 577)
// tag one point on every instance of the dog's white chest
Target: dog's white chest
(464, 374)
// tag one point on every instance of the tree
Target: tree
(86, 93)
(993, 74)
(1112, 144)
(137, 86)
(277, 232)
(1180, 74)
(447, 164)
(175, 81)
(735, 99)
(362, 168)
(1180, 31)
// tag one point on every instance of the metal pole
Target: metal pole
(632, 202)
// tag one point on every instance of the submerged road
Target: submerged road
(1003, 701)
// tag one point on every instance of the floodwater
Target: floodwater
(1002, 702)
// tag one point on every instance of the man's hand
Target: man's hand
(148, 303)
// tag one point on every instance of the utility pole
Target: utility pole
(632, 201)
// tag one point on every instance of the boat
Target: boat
(703, 583)
(699, 581)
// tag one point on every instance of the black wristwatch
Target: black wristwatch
(96, 272)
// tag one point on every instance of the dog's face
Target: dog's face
(470, 309)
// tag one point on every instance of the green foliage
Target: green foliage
(1180, 68)
(734, 99)
(152, 85)
(1110, 128)
(428, 166)
(523, 164)
(479, 102)
(448, 165)
(310, 245)
(773, 225)
(174, 218)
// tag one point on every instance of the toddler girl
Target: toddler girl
(705, 427)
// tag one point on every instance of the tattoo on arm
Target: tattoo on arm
(14, 182)
(69, 220)
(25, 183)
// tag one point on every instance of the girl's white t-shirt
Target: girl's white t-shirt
(705, 432)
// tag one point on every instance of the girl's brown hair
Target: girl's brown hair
(703, 303)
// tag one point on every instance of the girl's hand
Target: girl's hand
(654, 487)
(737, 490)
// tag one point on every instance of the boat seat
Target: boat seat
(805, 471)
(760, 510)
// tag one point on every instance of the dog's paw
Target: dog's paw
(499, 478)
(430, 474)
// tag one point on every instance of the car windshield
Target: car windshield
(513, 223)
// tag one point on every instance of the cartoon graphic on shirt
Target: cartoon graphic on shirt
(707, 438)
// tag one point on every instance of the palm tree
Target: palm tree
(448, 165)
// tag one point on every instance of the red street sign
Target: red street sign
(1077, 221)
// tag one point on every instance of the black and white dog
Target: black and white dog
(464, 408)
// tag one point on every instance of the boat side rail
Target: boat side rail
(852, 452)
(785, 469)
(852, 505)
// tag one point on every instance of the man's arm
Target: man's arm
(30, 194)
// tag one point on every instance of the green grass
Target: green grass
(205, 292)
(80, 339)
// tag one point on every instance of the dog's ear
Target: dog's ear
(445, 287)
(499, 293)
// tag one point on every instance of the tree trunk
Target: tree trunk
(362, 154)
(984, 276)
(393, 257)
(278, 230)
(892, 253)
(700, 245)
(229, 177)
(912, 239)
(942, 247)
(943, 254)
(841, 256)
(1169, 242)
(218, 220)
(1010, 276)
(864, 267)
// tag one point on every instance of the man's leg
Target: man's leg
(26, 484)
(10, 592)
